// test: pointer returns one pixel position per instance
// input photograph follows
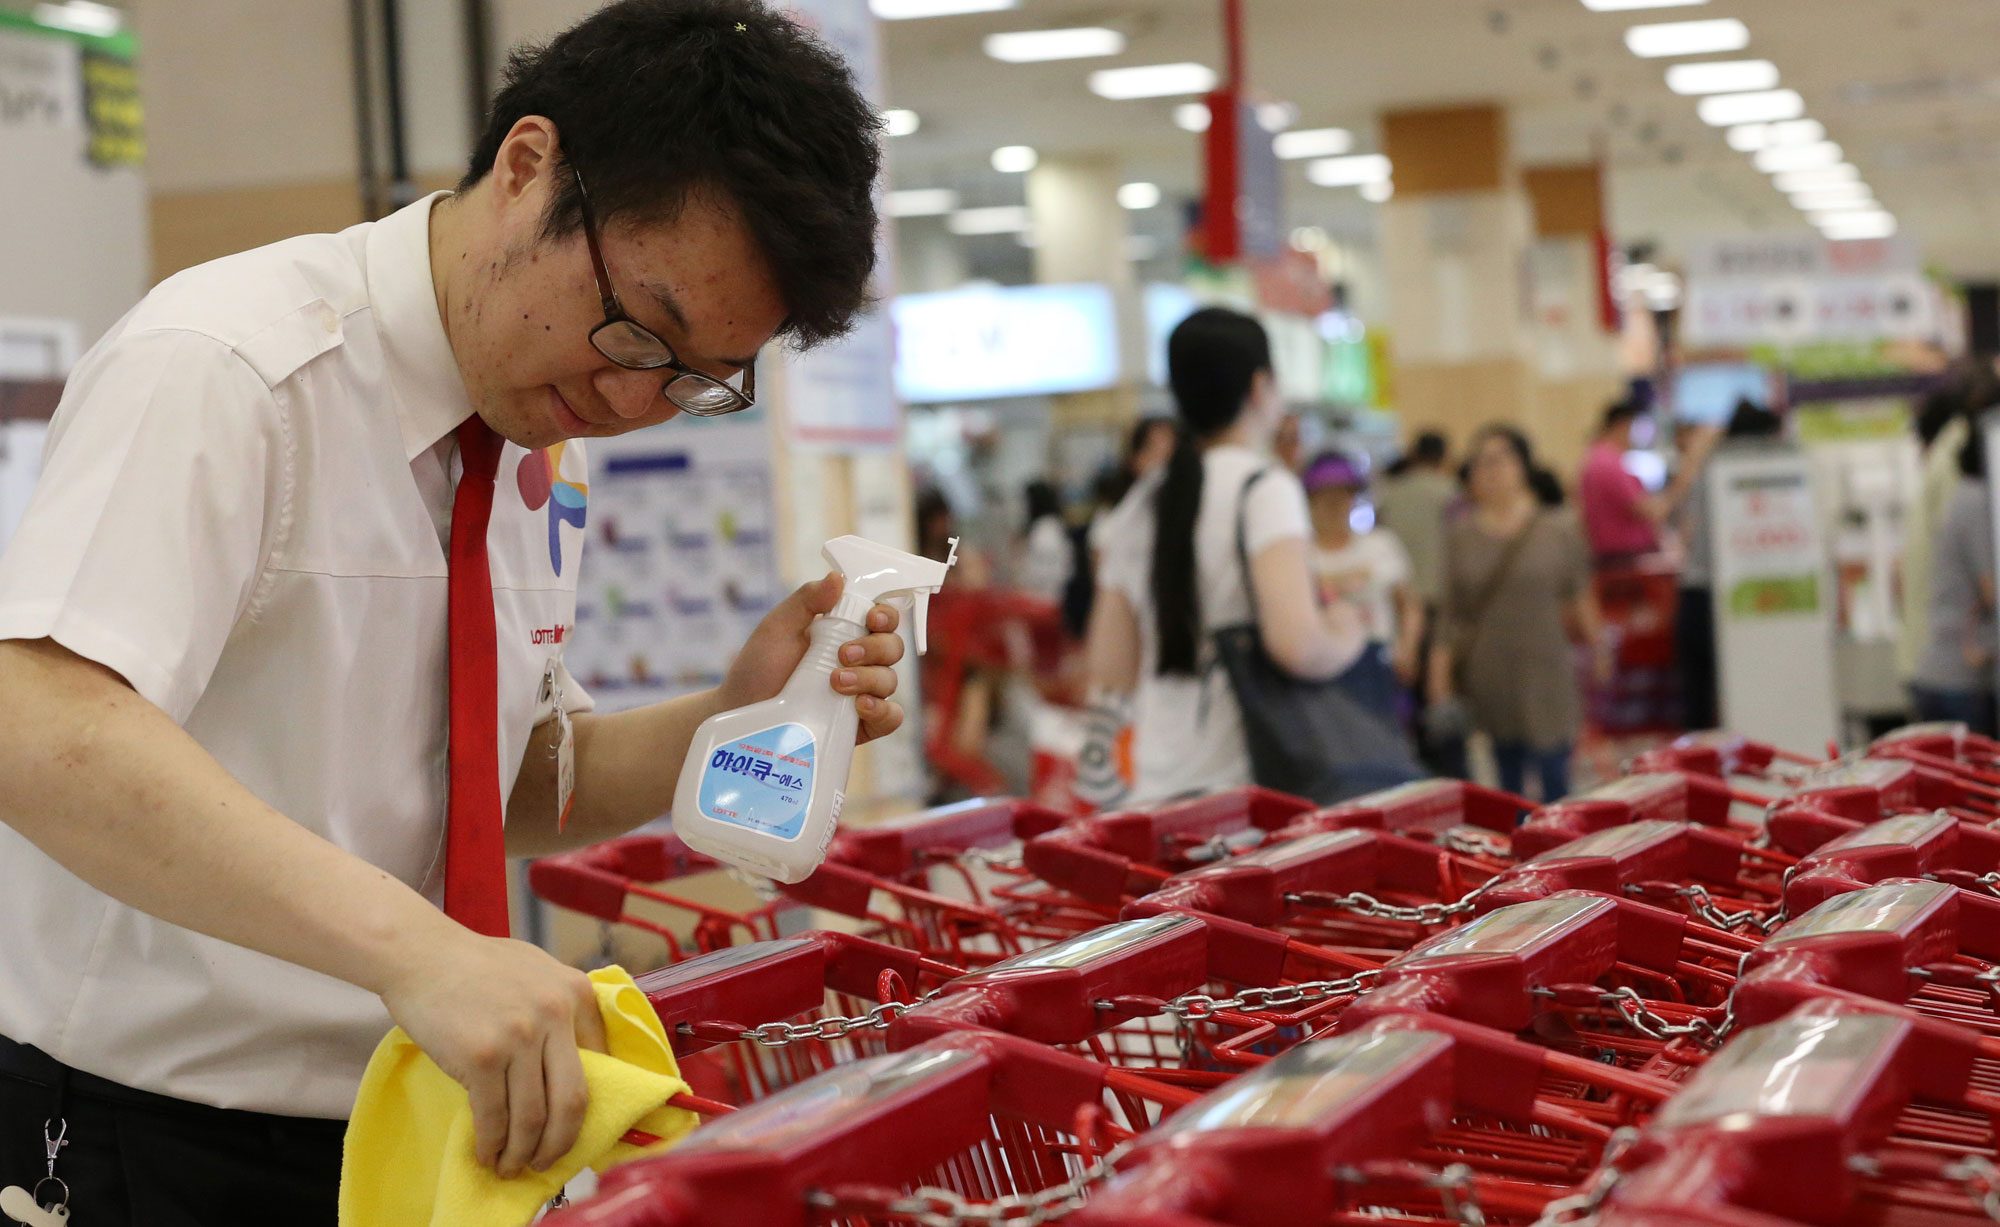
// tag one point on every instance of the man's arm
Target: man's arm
(628, 764)
(109, 786)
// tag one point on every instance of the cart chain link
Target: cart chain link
(1991, 881)
(1005, 860)
(1701, 905)
(1222, 847)
(1453, 1185)
(932, 1207)
(780, 1034)
(1363, 904)
(1471, 841)
(1194, 1007)
(1632, 1007)
(1981, 1180)
(1582, 1206)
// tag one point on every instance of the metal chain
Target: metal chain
(1363, 904)
(1991, 881)
(780, 1034)
(1583, 1205)
(1194, 1007)
(1007, 859)
(1221, 847)
(1981, 1180)
(1453, 1184)
(1632, 1007)
(1701, 905)
(931, 1207)
(1471, 841)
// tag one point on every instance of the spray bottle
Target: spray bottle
(763, 785)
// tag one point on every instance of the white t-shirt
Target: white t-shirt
(244, 511)
(1188, 731)
(1365, 571)
(1046, 559)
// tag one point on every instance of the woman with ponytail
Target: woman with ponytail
(1172, 572)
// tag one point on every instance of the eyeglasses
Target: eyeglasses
(630, 344)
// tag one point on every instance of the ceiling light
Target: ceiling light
(81, 17)
(1845, 196)
(1807, 180)
(1818, 212)
(1725, 110)
(1276, 116)
(1749, 138)
(1722, 76)
(1622, 6)
(1376, 193)
(1781, 158)
(1000, 219)
(1313, 143)
(1035, 46)
(1139, 195)
(900, 10)
(1688, 38)
(1015, 159)
(922, 202)
(1877, 225)
(1191, 117)
(1152, 81)
(1349, 172)
(900, 123)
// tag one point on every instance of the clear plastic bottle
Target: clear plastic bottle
(763, 785)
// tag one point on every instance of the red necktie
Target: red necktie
(475, 856)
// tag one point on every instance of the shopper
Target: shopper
(1517, 575)
(1171, 572)
(1411, 501)
(1623, 521)
(1371, 571)
(1750, 428)
(1044, 560)
(223, 622)
(1942, 425)
(1954, 677)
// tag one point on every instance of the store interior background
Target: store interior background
(1464, 169)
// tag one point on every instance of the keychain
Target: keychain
(24, 1207)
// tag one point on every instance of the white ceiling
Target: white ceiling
(1911, 89)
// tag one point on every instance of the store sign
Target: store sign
(1771, 537)
(990, 341)
(1793, 290)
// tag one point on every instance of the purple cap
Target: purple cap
(1333, 469)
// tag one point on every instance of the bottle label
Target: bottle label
(762, 782)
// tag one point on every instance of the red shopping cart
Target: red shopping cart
(972, 1123)
(1721, 754)
(602, 880)
(1663, 796)
(1826, 1116)
(1413, 1119)
(1933, 845)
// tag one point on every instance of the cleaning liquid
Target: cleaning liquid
(763, 785)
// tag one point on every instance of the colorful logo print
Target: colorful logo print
(541, 480)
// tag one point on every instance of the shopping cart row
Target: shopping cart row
(1731, 987)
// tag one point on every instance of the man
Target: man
(224, 620)
(1411, 501)
(1620, 518)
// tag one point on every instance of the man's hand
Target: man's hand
(505, 1020)
(775, 648)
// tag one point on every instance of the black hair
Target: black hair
(1042, 501)
(655, 100)
(1213, 358)
(1753, 421)
(1428, 448)
(1972, 454)
(1546, 487)
(1936, 411)
(1141, 430)
(1619, 413)
(934, 523)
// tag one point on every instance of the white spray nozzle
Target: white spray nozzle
(876, 572)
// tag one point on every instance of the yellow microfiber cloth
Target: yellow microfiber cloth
(409, 1155)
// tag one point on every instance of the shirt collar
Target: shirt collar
(423, 376)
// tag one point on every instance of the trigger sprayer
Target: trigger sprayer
(763, 785)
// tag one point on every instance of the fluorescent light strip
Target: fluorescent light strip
(81, 17)
(1839, 226)
(900, 122)
(1139, 195)
(1687, 38)
(1275, 117)
(1626, 6)
(904, 10)
(1000, 219)
(1313, 143)
(1722, 77)
(1749, 138)
(1725, 110)
(922, 202)
(1808, 180)
(1780, 159)
(1378, 192)
(1192, 117)
(1349, 172)
(1825, 199)
(1039, 46)
(1152, 81)
(1015, 159)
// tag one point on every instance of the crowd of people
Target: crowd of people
(1441, 599)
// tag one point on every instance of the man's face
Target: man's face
(522, 336)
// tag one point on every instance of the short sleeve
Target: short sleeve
(1573, 557)
(146, 533)
(1124, 544)
(1395, 559)
(1275, 510)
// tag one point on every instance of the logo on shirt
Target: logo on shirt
(541, 481)
(549, 634)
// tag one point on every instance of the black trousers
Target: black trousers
(151, 1161)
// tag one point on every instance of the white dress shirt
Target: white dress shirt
(244, 511)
